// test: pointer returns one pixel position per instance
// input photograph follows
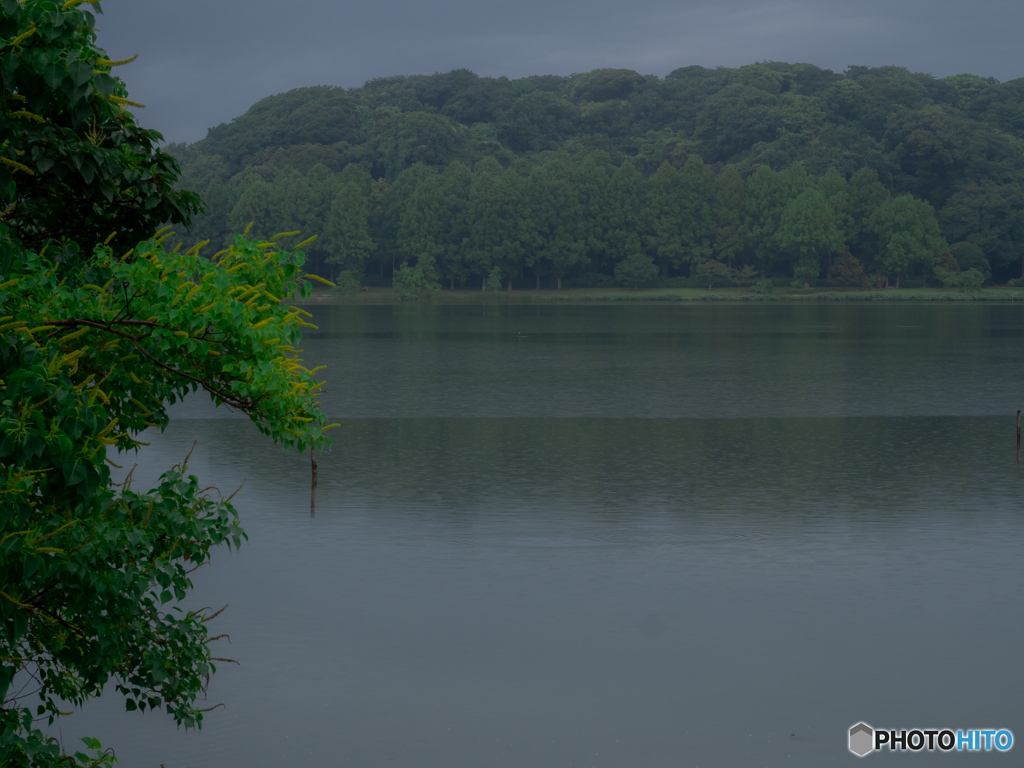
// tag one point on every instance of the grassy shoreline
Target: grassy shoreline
(613, 295)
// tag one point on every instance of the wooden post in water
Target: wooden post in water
(1018, 429)
(312, 490)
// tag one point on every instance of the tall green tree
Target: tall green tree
(456, 222)
(732, 230)
(419, 206)
(494, 222)
(697, 199)
(515, 219)
(989, 214)
(832, 183)
(346, 237)
(766, 201)
(291, 202)
(591, 180)
(636, 268)
(303, 202)
(970, 256)
(625, 212)
(833, 186)
(663, 214)
(908, 237)
(867, 194)
(257, 202)
(558, 244)
(383, 225)
(808, 233)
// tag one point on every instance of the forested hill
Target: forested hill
(776, 167)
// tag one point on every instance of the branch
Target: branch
(245, 406)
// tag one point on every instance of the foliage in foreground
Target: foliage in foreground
(85, 169)
(92, 348)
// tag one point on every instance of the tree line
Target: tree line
(595, 223)
(956, 144)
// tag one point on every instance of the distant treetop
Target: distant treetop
(955, 142)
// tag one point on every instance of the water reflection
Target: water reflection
(685, 361)
(615, 591)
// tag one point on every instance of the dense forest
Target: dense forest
(774, 170)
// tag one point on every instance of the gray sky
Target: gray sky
(204, 62)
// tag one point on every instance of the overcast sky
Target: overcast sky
(203, 62)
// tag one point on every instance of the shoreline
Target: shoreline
(386, 296)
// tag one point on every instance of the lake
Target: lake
(630, 535)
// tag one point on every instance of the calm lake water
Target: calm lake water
(680, 535)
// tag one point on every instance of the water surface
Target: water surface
(707, 535)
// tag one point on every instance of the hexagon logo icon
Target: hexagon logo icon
(862, 738)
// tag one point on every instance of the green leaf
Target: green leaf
(74, 472)
(129, 705)
(80, 72)
(9, 65)
(104, 85)
(10, 7)
(6, 676)
(53, 73)
(20, 621)
(81, 92)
